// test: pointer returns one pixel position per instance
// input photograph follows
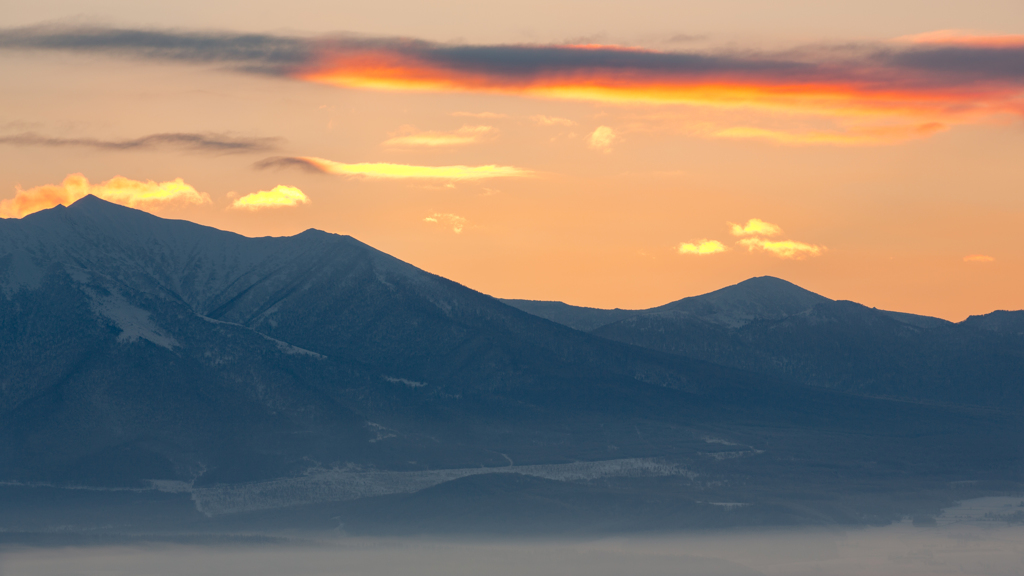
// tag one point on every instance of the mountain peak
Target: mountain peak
(95, 206)
(766, 287)
(91, 199)
(758, 298)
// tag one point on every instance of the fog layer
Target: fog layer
(993, 550)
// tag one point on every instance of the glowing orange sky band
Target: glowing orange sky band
(866, 91)
(948, 75)
(966, 38)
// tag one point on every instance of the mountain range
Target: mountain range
(774, 328)
(161, 376)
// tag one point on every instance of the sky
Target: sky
(600, 153)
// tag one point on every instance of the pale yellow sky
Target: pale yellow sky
(606, 191)
(781, 22)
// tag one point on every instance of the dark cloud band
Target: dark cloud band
(283, 162)
(878, 67)
(186, 141)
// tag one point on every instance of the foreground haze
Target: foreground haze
(962, 549)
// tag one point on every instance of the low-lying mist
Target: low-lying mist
(981, 550)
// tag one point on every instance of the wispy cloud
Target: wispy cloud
(937, 79)
(453, 221)
(754, 226)
(601, 139)
(755, 232)
(680, 38)
(702, 247)
(204, 142)
(978, 258)
(854, 136)
(551, 120)
(460, 137)
(277, 197)
(284, 162)
(385, 170)
(120, 190)
(790, 249)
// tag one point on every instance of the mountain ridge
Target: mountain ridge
(795, 334)
(572, 316)
(227, 381)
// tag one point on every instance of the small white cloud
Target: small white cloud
(460, 137)
(755, 227)
(453, 221)
(789, 249)
(601, 139)
(702, 247)
(278, 197)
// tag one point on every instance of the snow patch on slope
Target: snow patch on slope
(289, 349)
(283, 346)
(135, 323)
(409, 383)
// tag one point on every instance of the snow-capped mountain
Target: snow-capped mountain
(158, 374)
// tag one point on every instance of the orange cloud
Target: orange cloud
(877, 95)
(931, 80)
(278, 197)
(783, 248)
(453, 221)
(879, 83)
(755, 226)
(120, 190)
(462, 136)
(601, 139)
(978, 258)
(384, 170)
(702, 247)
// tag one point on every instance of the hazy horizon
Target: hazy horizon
(874, 551)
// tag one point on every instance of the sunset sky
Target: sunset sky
(601, 153)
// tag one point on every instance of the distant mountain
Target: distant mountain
(1002, 321)
(576, 317)
(771, 327)
(756, 299)
(761, 298)
(160, 375)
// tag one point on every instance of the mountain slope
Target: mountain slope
(230, 382)
(182, 351)
(771, 327)
(761, 298)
